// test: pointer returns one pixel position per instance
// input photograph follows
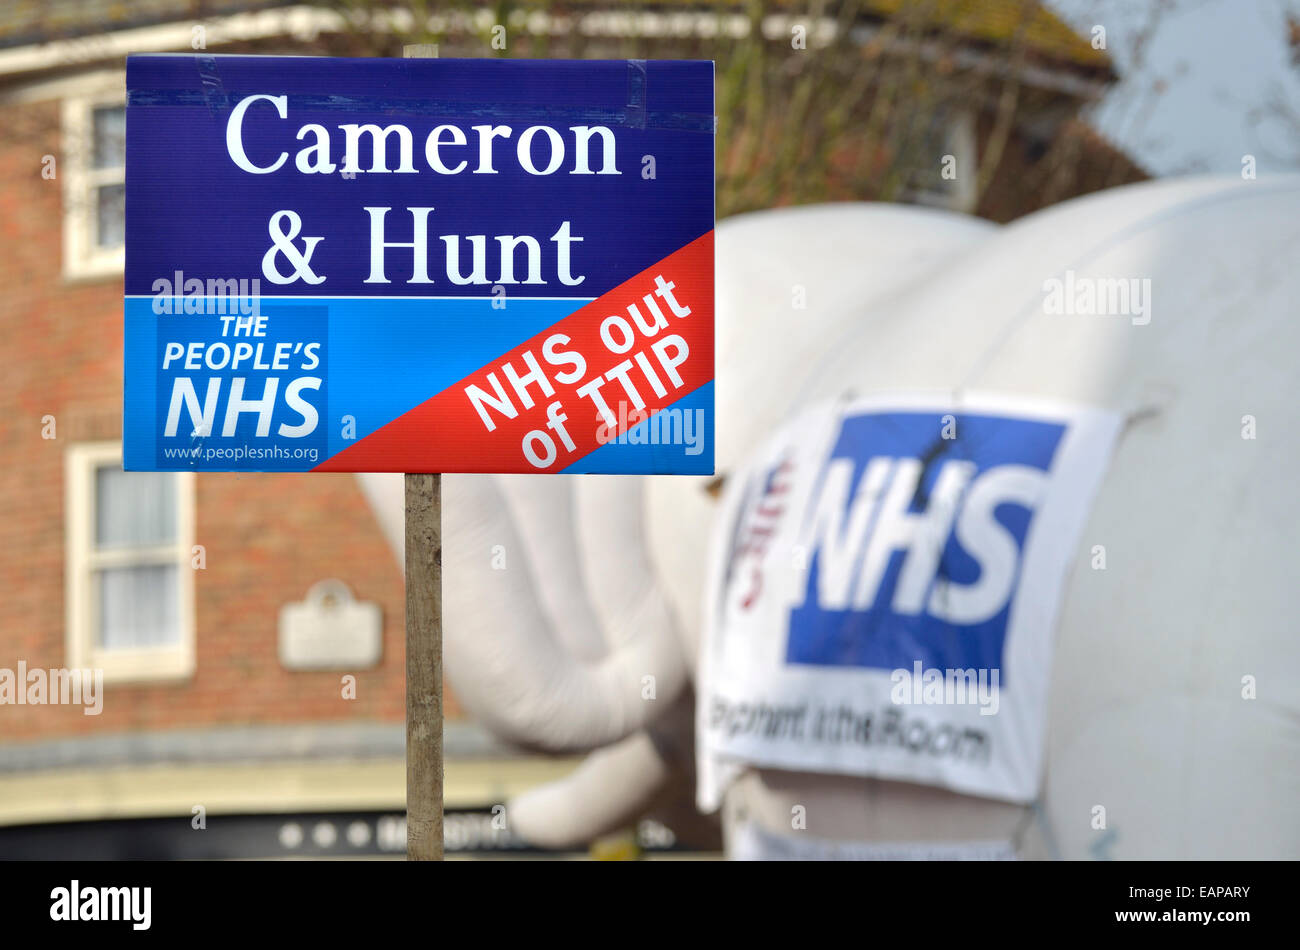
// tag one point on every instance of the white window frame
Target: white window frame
(82, 559)
(83, 258)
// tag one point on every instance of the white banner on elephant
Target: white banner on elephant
(884, 596)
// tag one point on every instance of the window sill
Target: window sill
(142, 667)
(95, 271)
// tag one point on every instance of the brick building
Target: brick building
(174, 584)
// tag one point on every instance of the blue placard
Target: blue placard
(368, 264)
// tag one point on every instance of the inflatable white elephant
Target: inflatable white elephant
(1169, 693)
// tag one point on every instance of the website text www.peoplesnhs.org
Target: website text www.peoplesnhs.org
(241, 453)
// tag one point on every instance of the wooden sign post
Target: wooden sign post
(423, 667)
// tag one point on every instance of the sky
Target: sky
(1196, 97)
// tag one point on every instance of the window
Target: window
(94, 176)
(130, 585)
(949, 133)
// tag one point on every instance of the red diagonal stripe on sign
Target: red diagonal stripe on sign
(447, 433)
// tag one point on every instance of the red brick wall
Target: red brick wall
(267, 537)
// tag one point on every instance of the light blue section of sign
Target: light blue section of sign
(384, 358)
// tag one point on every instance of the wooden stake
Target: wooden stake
(423, 667)
(423, 649)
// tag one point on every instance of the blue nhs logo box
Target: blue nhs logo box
(920, 530)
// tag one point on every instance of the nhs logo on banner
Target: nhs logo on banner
(915, 533)
(884, 599)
